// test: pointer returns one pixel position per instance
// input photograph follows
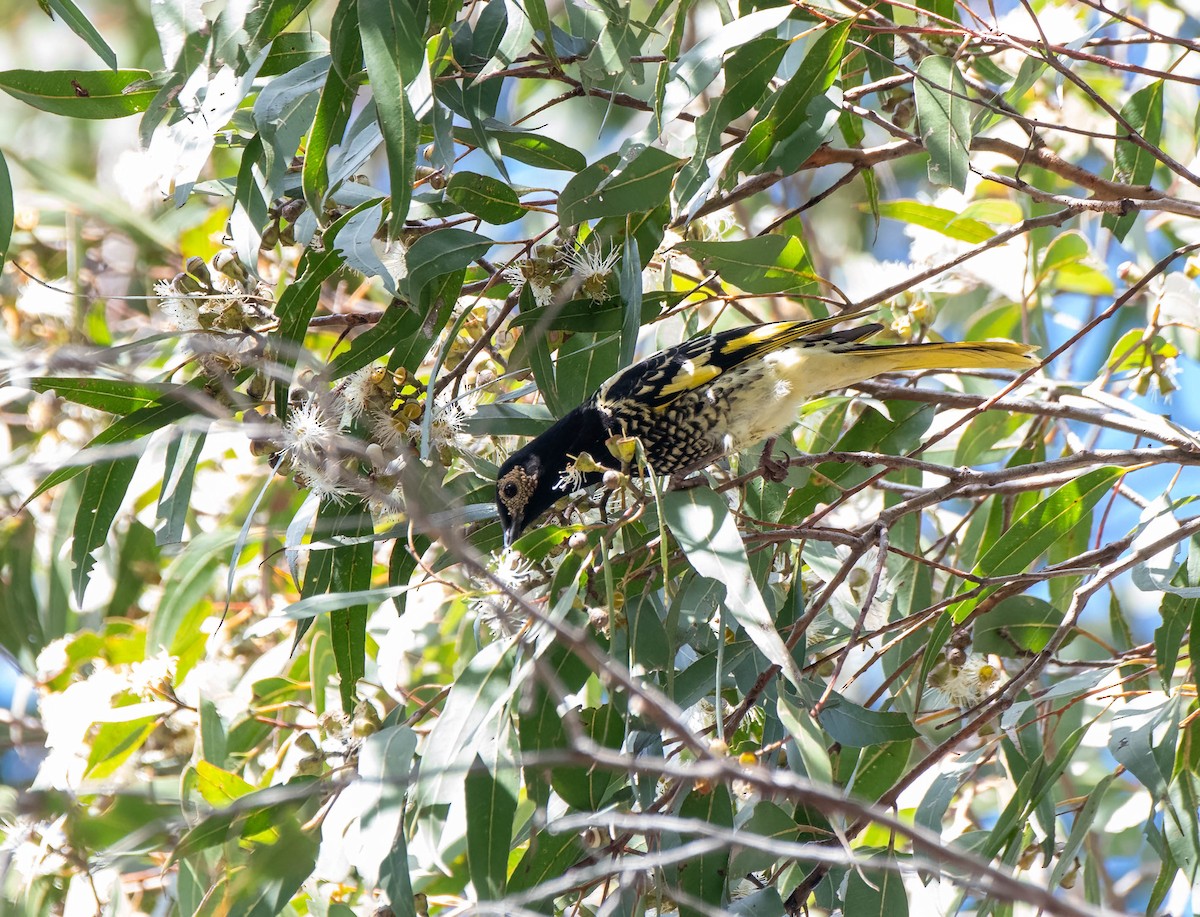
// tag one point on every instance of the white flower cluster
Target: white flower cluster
(583, 271)
(372, 419)
(495, 605)
(214, 296)
(216, 304)
(966, 685)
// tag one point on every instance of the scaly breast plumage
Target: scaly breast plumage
(686, 433)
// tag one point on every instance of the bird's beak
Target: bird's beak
(512, 531)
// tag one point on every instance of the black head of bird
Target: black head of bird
(532, 479)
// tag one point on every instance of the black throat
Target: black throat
(580, 430)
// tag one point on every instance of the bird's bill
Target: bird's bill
(512, 532)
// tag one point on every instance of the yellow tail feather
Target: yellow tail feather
(947, 355)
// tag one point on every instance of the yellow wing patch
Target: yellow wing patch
(690, 376)
(765, 338)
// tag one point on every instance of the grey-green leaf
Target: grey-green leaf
(945, 119)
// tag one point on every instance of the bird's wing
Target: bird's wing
(660, 379)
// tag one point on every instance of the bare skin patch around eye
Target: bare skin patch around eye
(515, 489)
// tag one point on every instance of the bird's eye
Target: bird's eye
(509, 490)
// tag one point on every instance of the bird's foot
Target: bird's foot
(685, 481)
(772, 469)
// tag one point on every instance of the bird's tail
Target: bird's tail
(948, 355)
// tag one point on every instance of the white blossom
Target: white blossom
(591, 269)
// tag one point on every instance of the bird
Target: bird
(714, 395)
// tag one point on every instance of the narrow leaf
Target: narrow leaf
(1132, 163)
(492, 789)
(334, 106)
(7, 209)
(393, 57)
(945, 119)
(90, 94)
(597, 192)
(488, 198)
(82, 26)
(765, 264)
(702, 524)
(103, 491)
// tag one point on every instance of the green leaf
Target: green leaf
(1132, 163)
(993, 210)
(116, 396)
(398, 322)
(334, 105)
(7, 211)
(442, 251)
(945, 785)
(104, 490)
(290, 50)
(469, 721)
(748, 73)
(213, 743)
(540, 730)
(1083, 279)
(488, 198)
(385, 771)
(979, 438)
(1180, 824)
(895, 434)
(90, 94)
(266, 19)
(1033, 533)
(769, 822)
(599, 191)
(876, 892)
(1067, 248)
(584, 362)
(548, 857)
(219, 787)
(586, 788)
(695, 69)
(1143, 738)
(250, 210)
(856, 726)
(533, 150)
(947, 222)
(82, 26)
(765, 264)
(585, 315)
(814, 762)
(508, 420)
(797, 111)
(703, 877)
(944, 9)
(115, 742)
(1177, 613)
(1016, 626)
(187, 584)
(295, 308)
(1031, 68)
(394, 53)
(945, 119)
(492, 789)
(345, 568)
(179, 474)
(355, 243)
(436, 303)
(877, 769)
(274, 872)
(702, 524)
(21, 629)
